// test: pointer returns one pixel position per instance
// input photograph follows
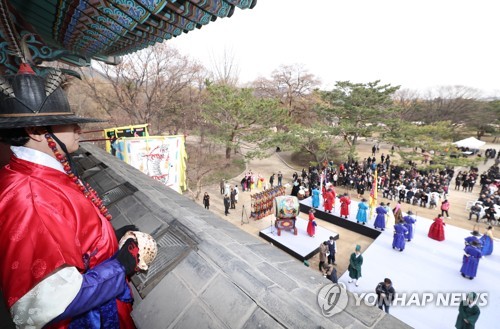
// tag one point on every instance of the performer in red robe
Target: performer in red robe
(311, 225)
(329, 199)
(344, 205)
(60, 261)
(436, 231)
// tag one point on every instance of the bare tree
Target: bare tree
(449, 103)
(292, 85)
(203, 161)
(225, 71)
(409, 101)
(147, 87)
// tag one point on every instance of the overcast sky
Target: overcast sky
(418, 44)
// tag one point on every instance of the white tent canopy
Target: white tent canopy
(471, 143)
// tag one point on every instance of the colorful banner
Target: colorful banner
(162, 158)
(127, 131)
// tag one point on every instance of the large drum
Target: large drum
(286, 206)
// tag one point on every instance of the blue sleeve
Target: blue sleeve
(100, 284)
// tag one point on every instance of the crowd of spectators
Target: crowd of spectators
(406, 184)
(487, 206)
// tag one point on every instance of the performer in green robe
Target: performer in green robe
(468, 312)
(355, 263)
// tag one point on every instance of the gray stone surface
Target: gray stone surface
(311, 279)
(241, 236)
(271, 253)
(276, 275)
(368, 315)
(390, 322)
(226, 300)
(163, 305)
(290, 312)
(195, 272)
(245, 253)
(198, 316)
(261, 320)
(252, 281)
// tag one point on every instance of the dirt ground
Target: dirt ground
(348, 239)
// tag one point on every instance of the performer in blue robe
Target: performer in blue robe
(409, 222)
(315, 197)
(470, 261)
(487, 242)
(380, 219)
(398, 242)
(473, 238)
(361, 215)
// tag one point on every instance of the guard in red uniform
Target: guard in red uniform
(345, 201)
(60, 265)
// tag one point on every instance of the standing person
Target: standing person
(311, 225)
(390, 221)
(332, 249)
(315, 197)
(398, 241)
(206, 200)
(470, 260)
(260, 181)
(280, 178)
(445, 206)
(329, 199)
(222, 185)
(271, 180)
(233, 198)
(386, 293)
(249, 182)
(468, 312)
(361, 216)
(487, 242)
(409, 223)
(236, 194)
(355, 263)
(227, 204)
(374, 149)
(436, 231)
(323, 249)
(55, 230)
(243, 184)
(398, 213)
(380, 219)
(345, 201)
(295, 188)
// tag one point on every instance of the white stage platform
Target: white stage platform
(427, 266)
(301, 246)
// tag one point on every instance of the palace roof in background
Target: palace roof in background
(76, 31)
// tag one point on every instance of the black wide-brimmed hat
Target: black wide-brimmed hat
(29, 100)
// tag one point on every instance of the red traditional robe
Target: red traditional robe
(344, 206)
(436, 231)
(329, 199)
(46, 222)
(311, 229)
